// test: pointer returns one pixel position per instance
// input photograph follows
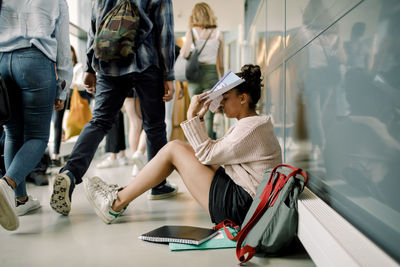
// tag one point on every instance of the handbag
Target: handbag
(79, 115)
(192, 62)
(179, 69)
(271, 222)
(5, 108)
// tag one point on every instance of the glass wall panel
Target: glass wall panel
(344, 86)
(332, 86)
(275, 101)
(316, 15)
(267, 38)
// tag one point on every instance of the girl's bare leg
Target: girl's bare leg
(174, 155)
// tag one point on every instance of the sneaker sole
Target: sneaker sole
(59, 200)
(8, 217)
(162, 196)
(91, 202)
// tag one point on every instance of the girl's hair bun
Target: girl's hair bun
(252, 82)
(251, 73)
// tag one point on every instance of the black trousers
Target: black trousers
(110, 95)
(115, 139)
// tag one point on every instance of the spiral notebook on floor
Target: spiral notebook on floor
(179, 234)
(219, 241)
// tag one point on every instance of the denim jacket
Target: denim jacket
(157, 49)
(44, 24)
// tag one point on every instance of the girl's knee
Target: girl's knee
(175, 146)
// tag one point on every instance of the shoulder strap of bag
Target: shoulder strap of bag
(268, 198)
(194, 43)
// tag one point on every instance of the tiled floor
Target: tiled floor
(45, 238)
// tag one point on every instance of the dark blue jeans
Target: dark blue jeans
(31, 82)
(110, 96)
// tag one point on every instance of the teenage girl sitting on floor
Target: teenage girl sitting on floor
(246, 151)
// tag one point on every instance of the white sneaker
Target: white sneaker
(100, 183)
(139, 159)
(31, 204)
(101, 197)
(8, 217)
(123, 161)
(108, 162)
(135, 170)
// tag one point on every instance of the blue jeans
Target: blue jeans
(31, 81)
(110, 95)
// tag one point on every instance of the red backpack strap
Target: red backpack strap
(293, 168)
(225, 224)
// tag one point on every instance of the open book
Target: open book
(229, 81)
(179, 234)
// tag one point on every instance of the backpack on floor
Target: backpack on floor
(118, 33)
(270, 224)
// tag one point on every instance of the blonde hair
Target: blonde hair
(203, 16)
(73, 55)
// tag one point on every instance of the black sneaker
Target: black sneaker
(55, 163)
(38, 177)
(164, 191)
(63, 186)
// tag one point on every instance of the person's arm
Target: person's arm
(220, 57)
(91, 34)
(89, 77)
(185, 50)
(164, 27)
(234, 148)
(63, 59)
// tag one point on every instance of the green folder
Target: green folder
(217, 242)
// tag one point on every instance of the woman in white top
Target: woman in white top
(203, 24)
(246, 151)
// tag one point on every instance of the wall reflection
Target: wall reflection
(333, 89)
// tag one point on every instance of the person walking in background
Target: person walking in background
(203, 25)
(149, 70)
(36, 66)
(136, 135)
(115, 145)
(58, 115)
(248, 149)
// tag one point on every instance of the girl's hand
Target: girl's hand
(197, 106)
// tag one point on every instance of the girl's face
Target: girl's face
(231, 104)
